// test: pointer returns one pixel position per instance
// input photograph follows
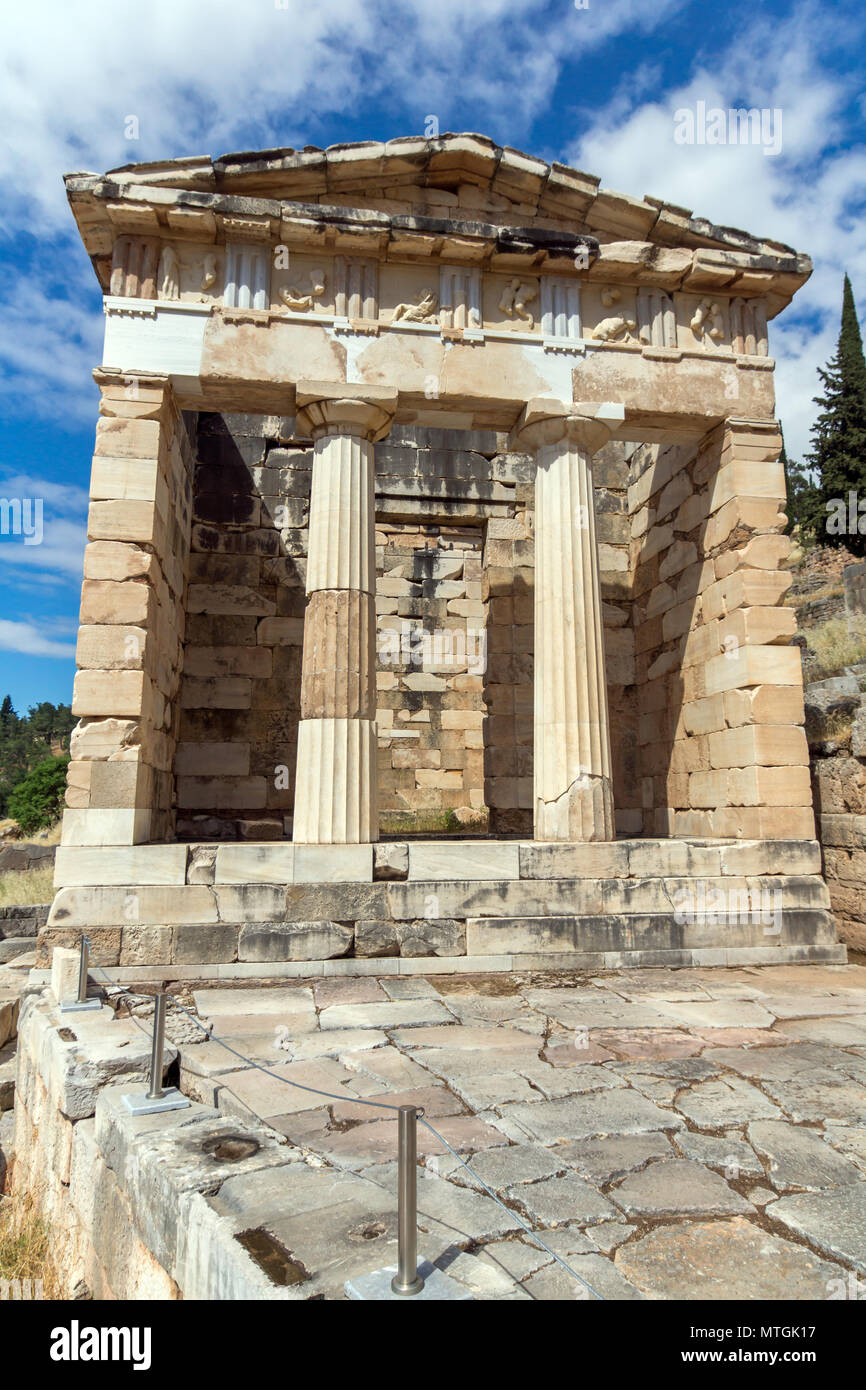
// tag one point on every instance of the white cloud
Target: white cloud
(809, 196)
(55, 558)
(26, 639)
(208, 75)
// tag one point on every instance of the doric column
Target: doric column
(572, 794)
(335, 787)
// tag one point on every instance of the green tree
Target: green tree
(37, 801)
(802, 501)
(839, 438)
(8, 717)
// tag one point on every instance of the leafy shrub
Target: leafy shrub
(37, 801)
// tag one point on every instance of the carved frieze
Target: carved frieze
(425, 309)
(356, 288)
(657, 320)
(301, 295)
(749, 327)
(516, 296)
(168, 275)
(460, 297)
(247, 277)
(560, 311)
(708, 323)
(134, 267)
(616, 327)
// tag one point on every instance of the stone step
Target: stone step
(639, 933)
(479, 861)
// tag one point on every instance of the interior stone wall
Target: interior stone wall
(455, 631)
(240, 697)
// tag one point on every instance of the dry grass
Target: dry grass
(834, 649)
(27, 886)
(51, 836)
(25, 1245)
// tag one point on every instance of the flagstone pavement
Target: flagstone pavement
(671, 1134)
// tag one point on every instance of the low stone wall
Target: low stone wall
(125, 1197)
(19, 856)
(836, 727)
(23, 919)
(630, 902)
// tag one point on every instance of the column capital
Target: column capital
(367, 412)
(545, 420)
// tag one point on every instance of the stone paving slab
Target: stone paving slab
(834, 1222)
(714, 1260)
(728, 1101)
(677, 1187)
(562, 1201)
(608, 1112)
(400, 1013)
(254, 1001)
(799, 1158)
(687, 1134)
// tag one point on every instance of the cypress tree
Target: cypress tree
(839, 438)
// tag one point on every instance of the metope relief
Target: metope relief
(708, 323)
(425, 309)
(301, 296)
(168, 274)
(208, 274)
(616, 327)
(516, 296)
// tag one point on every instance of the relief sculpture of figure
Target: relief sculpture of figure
(208, 274)
(300, 300)
(708, 309)
(424, 310)
(168, 275)
(617, 327)
(515, 298)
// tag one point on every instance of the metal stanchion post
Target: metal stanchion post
(157, 1098)
(156, 1091)
(385, 1284)
(407, 1280)
(81, 1001)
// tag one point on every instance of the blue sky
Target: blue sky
(596, 87)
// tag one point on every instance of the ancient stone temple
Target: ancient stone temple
(432, 603)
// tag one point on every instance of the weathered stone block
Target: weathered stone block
(321, 940)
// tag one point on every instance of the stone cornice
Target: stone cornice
(443, 163)
(510, 211)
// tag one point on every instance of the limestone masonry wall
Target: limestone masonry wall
(720, 692)
(130, 642)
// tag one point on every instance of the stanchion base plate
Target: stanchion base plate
(72, 1006)
(376, 1287)
(171, 1099)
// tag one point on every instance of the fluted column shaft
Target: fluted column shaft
(335, 786)
(573, 797)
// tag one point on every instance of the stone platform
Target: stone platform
(235, 909)
(688, 1135)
